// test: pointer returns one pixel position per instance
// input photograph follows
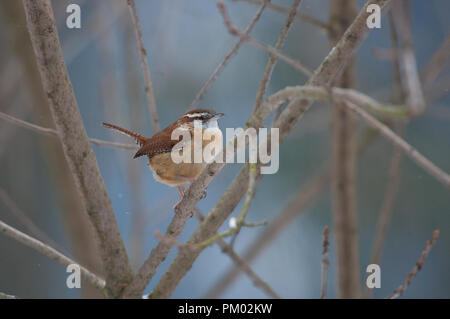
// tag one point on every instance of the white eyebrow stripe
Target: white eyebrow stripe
(196, 114)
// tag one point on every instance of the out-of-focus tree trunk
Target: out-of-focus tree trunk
(345, 221)
(80, 231)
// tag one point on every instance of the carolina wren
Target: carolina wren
(158, 148)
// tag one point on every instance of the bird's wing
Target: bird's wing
(158, 144)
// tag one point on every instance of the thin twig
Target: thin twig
(145, 68)
(325, 263)
(229, 55)
(299, 15)
(235, 31)
(169, 240)
(385, 54)
(407, 60)
(357, 103)
(75, 142)
(26, 221)
(394, 170)
(242, 215)
(272, 59)
(52, 132)
(49, 252)
(241, 264)
(303, 198)
(417, 267)
(436, 64)
(344, 158)
(27, 125)
(386, 210)
(409, 150)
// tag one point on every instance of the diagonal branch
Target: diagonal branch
(235, 31)
(299, 15)
(409, 150)
(407, 60)
(242, 265)
(76, 145)
(417, 267)
(29, 225)
(145, 68)
(49, 252)
(304, 198)
(437, 62)
(344, 155)
(52, 132)
(229, 55)
(301, 200)
(272, 58)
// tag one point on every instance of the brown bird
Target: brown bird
(158, 148)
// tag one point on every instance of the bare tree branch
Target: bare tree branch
(145, 68)
(76, 146)
(242, 265)
(253, 173)
(325, 263)
(299, 15)
(407, 60)
(303, 198)
(26, 221)
(49, 252)
(345, 218)
(229, 55)
(234, 31)
(418, 266)
(437, 62)
(272, 58)
(79, 228)
(409, 150)
(52, 132)
(386, 210)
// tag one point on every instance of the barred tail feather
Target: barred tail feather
(140, 139)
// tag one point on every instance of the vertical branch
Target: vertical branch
(394, 167)
(272, 58)
(49, 252)
(145, 67)
(242, 265)
(407, 60)
(437, 62)
(325, 263)
(229, 55)
(342, 13)
(79, 229)
(141, 213)
(417, 267)
(26, 222)
(388, 203)
(77, 150)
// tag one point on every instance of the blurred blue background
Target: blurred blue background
(185, 41)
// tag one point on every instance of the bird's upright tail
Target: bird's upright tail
(140, 139)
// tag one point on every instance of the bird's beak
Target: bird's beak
(218, 116)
